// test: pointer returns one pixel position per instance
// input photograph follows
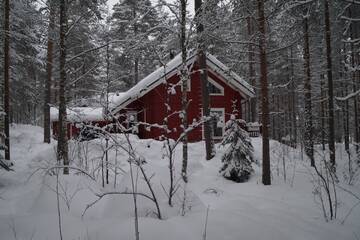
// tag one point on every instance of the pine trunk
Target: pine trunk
(7, 79)
(253, 100)
(204, 82)
(309, 143)
(330, 84)
(293, 98)
(136, 60)
(353, 35)
(184, 83)
(346, 110)
(266, 178)
(62, 150)
(322, 110)
(49, 66)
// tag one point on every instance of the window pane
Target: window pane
(217, 122)
(213, 89)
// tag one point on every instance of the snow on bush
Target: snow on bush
(239, 153)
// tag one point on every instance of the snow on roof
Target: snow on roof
(114, 98)
(234, 78)
(151, 81)
(161, 74)
(78, 114)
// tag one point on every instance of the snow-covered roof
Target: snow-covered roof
(79, 114)
(114, 98)
(229, 75)
(160, 75)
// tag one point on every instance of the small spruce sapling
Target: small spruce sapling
(239, 153)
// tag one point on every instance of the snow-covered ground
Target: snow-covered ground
(285, 210)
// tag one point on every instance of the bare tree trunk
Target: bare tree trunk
(330, 84)
(204, 81)
(6, 79)
(353, 35)
(136, 61)
(346, 110)
(62, 150)
(309, 143)
(107, 110)
(184, 83)
(323, 115)
(252, 71)
(49, 66)
(266, 175)
(293, 97)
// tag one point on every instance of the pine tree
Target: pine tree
(7, 79)
(239, 154)
(132, 22)
(309, 145)
(49, 67)
(266, 178)
(204, 79)
(330, 83)
(62, 149)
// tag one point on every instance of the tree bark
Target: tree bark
(184, 84)
(62, 150)
(266, 175)
(201, 54)
(7, 79)
(293, 97)
(253, 100)
(49, 66)
(309, 143)
(346, 110)
(330, 84)
(353, 35)
(322, 110)
(136, 60)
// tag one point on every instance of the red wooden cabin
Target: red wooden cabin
(147, 101)
(158, 95)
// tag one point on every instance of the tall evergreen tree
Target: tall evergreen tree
(49, 68)
(201, 57)
(7, 78)
(309, 145)
(62, 148)
(266, 176)
(133, 23)
(330, 82)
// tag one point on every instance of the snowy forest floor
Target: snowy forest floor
(288, 209)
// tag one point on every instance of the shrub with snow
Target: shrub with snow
(239, 153)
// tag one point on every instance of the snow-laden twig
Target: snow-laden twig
(349, 96)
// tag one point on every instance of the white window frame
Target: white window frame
(217, 85)
(223, 128)
(131, 113)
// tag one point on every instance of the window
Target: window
(131, 120)
(215, 88)
(217, 122)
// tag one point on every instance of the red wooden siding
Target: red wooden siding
(151, 108)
